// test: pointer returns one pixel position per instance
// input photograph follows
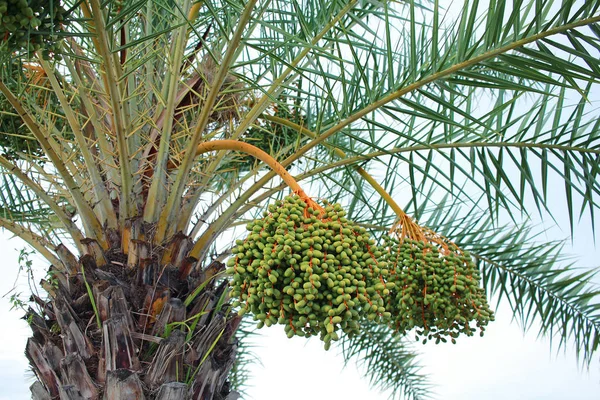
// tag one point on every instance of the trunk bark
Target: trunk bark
(145, 332)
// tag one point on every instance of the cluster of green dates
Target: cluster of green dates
(315, 274)
(318, 274)
(115, 7)
(31, 25)
(436, 293)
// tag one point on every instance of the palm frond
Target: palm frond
(522, 269)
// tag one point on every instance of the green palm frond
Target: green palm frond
(21, 205)
(442, 111)
(521, 268)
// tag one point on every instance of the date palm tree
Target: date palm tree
(125, 133)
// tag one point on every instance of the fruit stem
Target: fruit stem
(404, 226)
(385, 195)
(228, 144)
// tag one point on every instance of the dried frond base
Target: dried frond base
(135, 338)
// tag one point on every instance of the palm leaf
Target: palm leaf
(521, 268)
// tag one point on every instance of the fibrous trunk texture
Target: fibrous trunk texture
(130, 326)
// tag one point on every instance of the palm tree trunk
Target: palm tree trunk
(148, 331)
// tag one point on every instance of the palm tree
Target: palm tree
(131, 174)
